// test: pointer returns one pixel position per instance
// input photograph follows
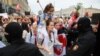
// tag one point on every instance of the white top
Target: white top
(24, 35)
(44, 37)
(30, 38)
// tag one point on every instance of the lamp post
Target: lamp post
(40, 4)
(37, 1)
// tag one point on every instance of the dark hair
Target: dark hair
(98, 33)
(14, 30)
(84, 22)
(47, 8)
(25, 27)
(48, 22)
(1, 21)
(76, 14)
(66, 18)
(55, 23)
(32, 21)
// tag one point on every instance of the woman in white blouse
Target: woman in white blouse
(46, 39)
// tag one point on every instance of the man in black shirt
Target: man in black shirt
(86, 40)
(17, 47)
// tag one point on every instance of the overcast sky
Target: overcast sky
(35, 7)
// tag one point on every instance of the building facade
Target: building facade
(82, 11)
(22, 4)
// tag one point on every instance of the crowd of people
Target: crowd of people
(46, 35)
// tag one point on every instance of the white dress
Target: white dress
(44, 39)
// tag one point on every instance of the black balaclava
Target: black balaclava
(83, 24)
(14, 31)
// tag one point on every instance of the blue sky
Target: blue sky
(62, 4)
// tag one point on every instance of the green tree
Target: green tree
(78, 6)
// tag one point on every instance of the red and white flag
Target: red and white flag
(60, 50)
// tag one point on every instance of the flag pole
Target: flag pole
(40, 4)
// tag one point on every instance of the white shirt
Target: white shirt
(30, 38)
(43, 36)
(24, 34)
